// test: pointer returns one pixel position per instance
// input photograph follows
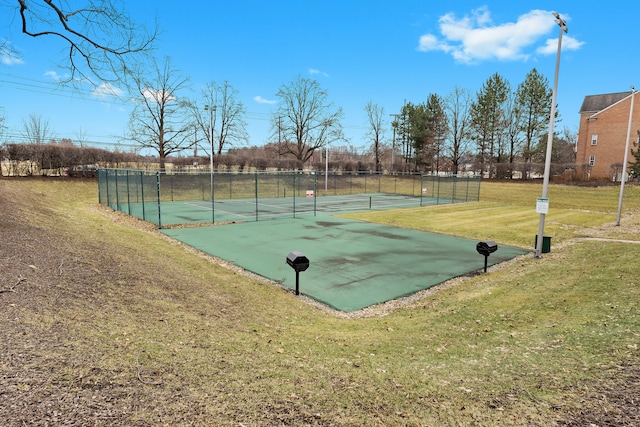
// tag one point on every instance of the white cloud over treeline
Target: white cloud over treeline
(475, 37)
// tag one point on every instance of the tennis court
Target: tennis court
(353, 264)
(251, 209)
(203, 198)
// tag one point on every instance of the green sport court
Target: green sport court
(259, 217)
(353, 264)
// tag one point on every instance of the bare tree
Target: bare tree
(160, 119)
(223, 108)
(304, 121)
(3, 128)
(375, 114)
(36, 130)
(81, 137)
(102, 40)
(457, 106)
(512, 134)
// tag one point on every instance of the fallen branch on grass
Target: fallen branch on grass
(13, 288)
(140, 374)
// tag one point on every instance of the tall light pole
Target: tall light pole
(626, 157)
(394, 125)
(543, 205)
(211, 109)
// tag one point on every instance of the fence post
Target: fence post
(256, 182)
(213, 198)
(171, 180)
(117, 193)
(144, 214)
(335, 183)
(158, 189)
(128, 194)
(413, 184)
(107, 186)
(454, 178)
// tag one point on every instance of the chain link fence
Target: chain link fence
(173, 199)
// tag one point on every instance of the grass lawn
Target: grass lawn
(115, 324)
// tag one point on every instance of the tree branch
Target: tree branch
(13, 288)
(107, 38)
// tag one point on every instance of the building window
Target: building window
(592, 160)
(594, 139)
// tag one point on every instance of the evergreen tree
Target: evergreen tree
(634, 167)
(416, 132)
(488, 120)
(403, 131)
(436, 129)
(533, 97)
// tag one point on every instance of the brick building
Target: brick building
(604, 120)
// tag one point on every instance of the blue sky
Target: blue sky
(359, 51)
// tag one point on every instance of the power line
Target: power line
(82, 94)
(48, 88)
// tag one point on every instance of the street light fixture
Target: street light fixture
(547, 164)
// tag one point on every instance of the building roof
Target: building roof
(595, 103)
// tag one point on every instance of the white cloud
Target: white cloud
(54, 75)
(476, 38)
(106, 89)
(430, 42)
(551, 46)
(8, 54)
(158, 95)
(313, 71)
(261, 100)
(10, 59)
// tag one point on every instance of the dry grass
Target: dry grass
(507, 214)
(115, 325)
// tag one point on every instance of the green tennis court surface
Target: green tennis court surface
(248, 209)
(353, 264)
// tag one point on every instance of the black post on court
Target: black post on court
(486, 248)
(299, 263)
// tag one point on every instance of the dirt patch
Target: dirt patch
(613, 402)
(47, 270)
